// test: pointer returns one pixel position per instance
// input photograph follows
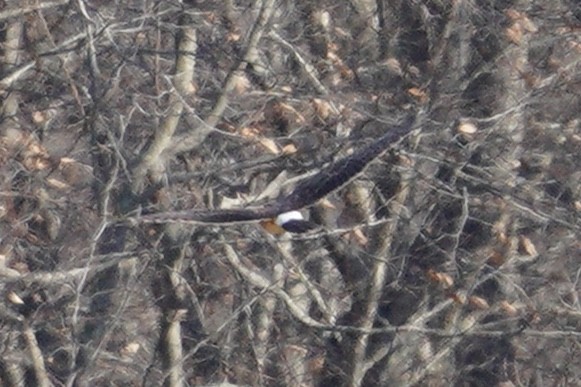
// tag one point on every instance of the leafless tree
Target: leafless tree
(454, 260)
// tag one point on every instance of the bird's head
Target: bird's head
(292, 221)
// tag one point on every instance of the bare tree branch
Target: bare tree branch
(388, 231)
(22, 10)
(151, 162)
(190, 141)
(37, 358)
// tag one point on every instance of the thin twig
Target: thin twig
(189, 141)
(24, 9)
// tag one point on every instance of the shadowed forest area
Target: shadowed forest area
(453, 260)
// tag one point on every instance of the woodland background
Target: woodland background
(455, 260)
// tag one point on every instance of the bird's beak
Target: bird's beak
(271, 227)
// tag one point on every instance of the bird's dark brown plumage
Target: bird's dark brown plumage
(306, 193)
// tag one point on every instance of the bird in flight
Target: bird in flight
(282, 214)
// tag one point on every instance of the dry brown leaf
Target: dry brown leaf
(360, 237)
(212, 17)
(323, 18)
(521, 18)
(38, 117)
(35, 149)
(335, 79)
(130, 349)
(191, 88)
(414, 71)
(66, 160)
(36, 163)
(431, 273)
(499, 227)
(496, 259)
(393, 66)
(316, 364)
(466, 127)
(513, 14)
(458, 298)
(514, 33)
(270, 145)
(32, 239)
(322, 108)
(508, 308)
(51, 223)
(15, 299)
(444, 280)
(332, 49)
(42, 163)
(527, 246)
(241, 83)
(20, 267)
(326, 203)
(344, 71)
(140, 38)
(289, 149)
(478, 302)
(576, 46)
(34, 156)
(296, 116)
(528, 24)
(405, 160)
(248, 132)
(58, 184)
(418, 93)
(532, 80)
(233, 36)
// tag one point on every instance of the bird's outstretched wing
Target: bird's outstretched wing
(341, 172)
(217, 216)
(305, 194)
